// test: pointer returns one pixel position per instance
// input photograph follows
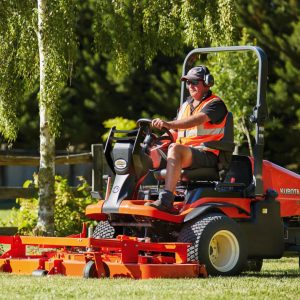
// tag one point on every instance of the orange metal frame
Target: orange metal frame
(121, 257)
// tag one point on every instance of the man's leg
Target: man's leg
(179, 157)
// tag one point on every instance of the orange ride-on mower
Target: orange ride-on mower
(233, 216)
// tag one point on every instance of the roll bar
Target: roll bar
(260, 110)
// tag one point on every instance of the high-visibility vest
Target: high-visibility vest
(197, 135)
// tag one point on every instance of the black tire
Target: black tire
(253, 265)
(217, 242)
(103, 230)
(40, 273)
(89, 270)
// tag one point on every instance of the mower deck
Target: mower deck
(88, 257)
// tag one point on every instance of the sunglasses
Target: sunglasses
(192, 82)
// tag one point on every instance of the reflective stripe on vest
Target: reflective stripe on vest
(197, 135)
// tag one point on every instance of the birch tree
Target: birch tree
(38, 43)
(133, 32)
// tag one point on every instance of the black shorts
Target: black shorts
(202, 158)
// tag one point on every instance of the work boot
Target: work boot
(164, 202)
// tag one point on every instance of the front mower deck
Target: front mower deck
(88, 257)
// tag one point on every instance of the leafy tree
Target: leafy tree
(236, 84)
(281, 42)
(37, 42)
(96, 92)
(136, 31)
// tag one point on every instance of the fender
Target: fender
(202, 209)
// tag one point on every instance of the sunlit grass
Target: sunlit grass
(279, 279)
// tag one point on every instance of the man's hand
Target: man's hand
(158, 123)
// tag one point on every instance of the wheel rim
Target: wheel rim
(224, 251)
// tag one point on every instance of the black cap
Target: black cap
(196, 73)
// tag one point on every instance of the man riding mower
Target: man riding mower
(187, 186)
(200, 119)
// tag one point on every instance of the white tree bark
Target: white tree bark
(45, 225)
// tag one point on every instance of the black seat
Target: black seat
(217, 173)
(240, 171)
(239, 177)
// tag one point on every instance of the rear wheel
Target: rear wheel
(103, 230)
(217, 242)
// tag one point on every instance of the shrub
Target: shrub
(69, 211)
(120, 123)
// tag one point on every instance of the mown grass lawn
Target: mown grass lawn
(279, 279)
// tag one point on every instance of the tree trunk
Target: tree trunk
(45, 224)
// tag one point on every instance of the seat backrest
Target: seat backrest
(225, 146)
(240, 170)
(227, 142)
(225, 156)
(229, 131)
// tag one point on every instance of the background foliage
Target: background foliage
(281, 43)
(236, 83)
(69, 213)
(19, 58)
(120, 123)
(140, 38)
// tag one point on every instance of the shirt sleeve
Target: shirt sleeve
(216, 111)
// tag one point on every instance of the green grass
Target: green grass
(279, 279)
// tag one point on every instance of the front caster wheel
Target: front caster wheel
(217, 242)
(40, 273)
(89, 270)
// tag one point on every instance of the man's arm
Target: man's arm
(185, 123)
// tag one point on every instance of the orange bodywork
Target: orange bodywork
(137, 207)
(120, 257)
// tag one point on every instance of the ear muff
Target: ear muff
(203, 73)
(207, 78)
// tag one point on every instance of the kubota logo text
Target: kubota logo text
(289, 191)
